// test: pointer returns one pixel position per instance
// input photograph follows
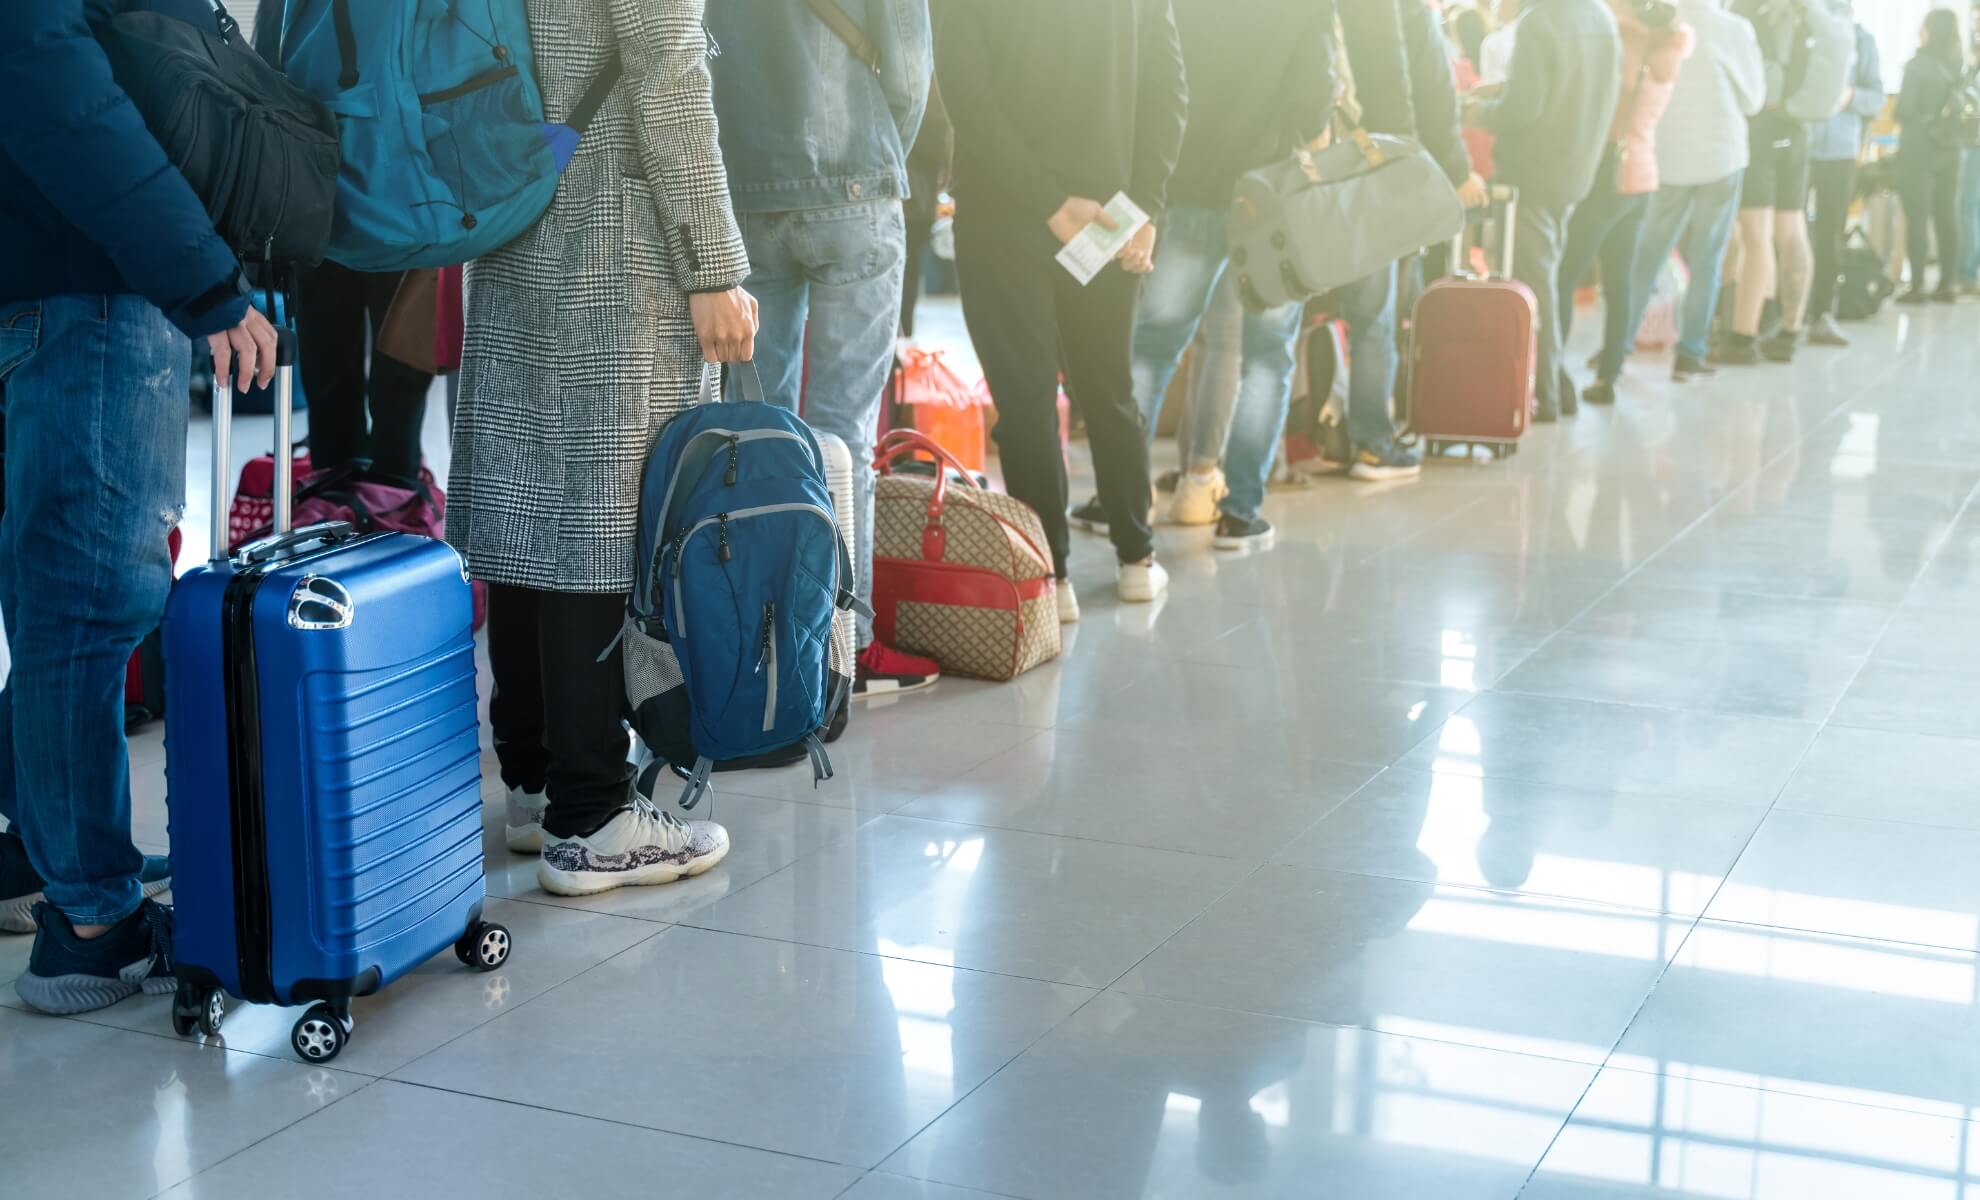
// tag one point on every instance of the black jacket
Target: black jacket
(1403, 78)
(1553, 118)
(1059, 98)
(1261, 81)
(1923, 133)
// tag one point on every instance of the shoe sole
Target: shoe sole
(17, 915)
(887, 687)
(1090, 526)
(524, 839)
(591, 883)
(1140, 596)
(1256, 541)
(1382, 474)
(67, 995)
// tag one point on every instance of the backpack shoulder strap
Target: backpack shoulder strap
(595, 95)
(848, 31)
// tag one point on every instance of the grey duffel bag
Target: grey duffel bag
(1314, 222)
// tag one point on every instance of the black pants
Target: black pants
(556, 709)
(1833, 185)
(1605, 228)
(1929, 186)
(334, 308)
(919, 211)
(1027, 315)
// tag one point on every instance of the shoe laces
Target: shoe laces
(645, 810)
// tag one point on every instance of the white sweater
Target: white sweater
(1702, 138)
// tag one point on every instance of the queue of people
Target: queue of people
(752, 205)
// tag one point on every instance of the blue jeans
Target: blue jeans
(1969, 217)
(93, 390)
(1697, 222)
(1189, 277)
(1369, 308)
(828, 285)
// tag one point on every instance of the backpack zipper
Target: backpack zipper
(769, 654)
(736, 438)
(721, 520)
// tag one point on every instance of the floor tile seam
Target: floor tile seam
(1531, 694)
(1071, 837)
(772, 938)
(1607, 906)
(222, 1161)
(1834, 937)
(966, 1189)
(395, 1073)
(1452, 515)
(201, 1043)
(1910, 823)
(1974, 1119)
(623, 1123)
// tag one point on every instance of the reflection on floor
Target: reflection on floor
(1600, 823)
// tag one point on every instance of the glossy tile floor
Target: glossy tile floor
(1600, 823)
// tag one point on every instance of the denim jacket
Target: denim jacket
(805, 124)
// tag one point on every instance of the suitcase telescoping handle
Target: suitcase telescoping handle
(223, 429)
(1503, 196)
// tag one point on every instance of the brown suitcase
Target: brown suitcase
(1472, 354)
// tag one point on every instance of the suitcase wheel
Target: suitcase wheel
(198, 1008)
(319, 1034)
(485, 946)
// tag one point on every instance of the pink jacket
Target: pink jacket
(1650, 68)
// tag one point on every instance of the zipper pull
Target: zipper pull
(769, 622)
(734, 445)
(722, 533)
(680, 545)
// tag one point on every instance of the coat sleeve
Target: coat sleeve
(1160, 109)
(1433, 91)
(1668, 50)
(1745, 67)
(1309, 94)
(1918, 100)
(1867, 91)
(1377, 54)
(976, 111)
(664, 51)
(907, 60)
(60, 110)
(1524, 101)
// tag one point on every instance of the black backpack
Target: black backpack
(1864, 285)
(260, 154)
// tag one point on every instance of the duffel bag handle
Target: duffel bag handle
(904, 442)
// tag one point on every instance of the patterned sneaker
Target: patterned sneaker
(885, 671)
(20, 884)
(640, 846)
(525, 822)
(1197, 497)
(68, 974)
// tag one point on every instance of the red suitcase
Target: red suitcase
(1472, 354)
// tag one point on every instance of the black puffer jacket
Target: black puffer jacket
(1403, 78)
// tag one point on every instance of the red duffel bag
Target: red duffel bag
(960, 574)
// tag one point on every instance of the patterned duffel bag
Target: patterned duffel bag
(960, 574)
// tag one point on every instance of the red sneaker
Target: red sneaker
(885, 671)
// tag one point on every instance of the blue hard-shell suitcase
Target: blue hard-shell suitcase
(322, 766)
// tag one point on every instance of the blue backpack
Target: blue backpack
(740, 570)
(446, 152)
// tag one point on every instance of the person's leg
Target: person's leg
(1619, 285)
(919, 213)
(330, 346)
(1260, 418)
(1795, 265)
(515, 710)
(1915, 192)
(1213, 388)
(777, 281)
(1969, 212)
(1831, 184)
(1587, 233)
(1663, 224)
(1096, 336)
(96, 428)
(599, 833)
(1758, 270)
(1945, 223)
(1369, 308)
(396, 393)
(1174, 298)
(1007, 297)
(1536, 263)
(1707, 232)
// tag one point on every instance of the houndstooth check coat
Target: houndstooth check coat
(579, 343)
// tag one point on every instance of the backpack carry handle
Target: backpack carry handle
(742, 373)
(223, 430)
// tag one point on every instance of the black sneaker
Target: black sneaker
(67, 974)
(1600, 392)
(1385, 460)
(1090, 516)
(21, 884)
(1737, 350)
(1242, 533)
(1685, 367)
(1780, 348)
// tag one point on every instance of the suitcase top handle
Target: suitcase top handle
(223, 429)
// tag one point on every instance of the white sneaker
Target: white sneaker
(1197, 497)
(1068, 603)
(640, 846)
(1143, 583)
(525, 824)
